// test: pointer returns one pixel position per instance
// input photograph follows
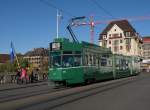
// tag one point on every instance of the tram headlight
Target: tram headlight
(64, 71)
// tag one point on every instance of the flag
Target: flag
(12, 53)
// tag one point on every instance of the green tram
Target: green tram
(74, 63)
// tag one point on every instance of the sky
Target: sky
(31, 24)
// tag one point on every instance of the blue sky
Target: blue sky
(32, 23)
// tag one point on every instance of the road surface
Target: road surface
(131, 93)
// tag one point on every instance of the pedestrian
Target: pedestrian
(36, 74)
(32, 76)
(24, 75)
(18, 75)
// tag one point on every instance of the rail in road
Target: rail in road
(49, 100)
(25, 91)
(8, 87)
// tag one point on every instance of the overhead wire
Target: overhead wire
(102, 8)
(55, 7)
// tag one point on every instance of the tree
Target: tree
(12, 67)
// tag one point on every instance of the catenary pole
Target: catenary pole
(57, 22)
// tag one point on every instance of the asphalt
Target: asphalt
(132, 96)
(122, 94)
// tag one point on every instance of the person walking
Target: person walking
(18, 75)
(24, 75)
(32, 76)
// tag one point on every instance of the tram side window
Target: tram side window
(103, 62)
(86, 59)
(109, 62)
(127, 64)
(123, 64)
(94, 60)
(77, 60)
(67, 61)
(97, 61)
(117, 64)
(90, 60)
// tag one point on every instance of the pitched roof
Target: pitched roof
(123, 24)
(146, 39)
(37, 52)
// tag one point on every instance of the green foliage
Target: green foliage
(8, 67)
(2, 68)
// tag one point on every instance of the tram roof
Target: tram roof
(68, 45)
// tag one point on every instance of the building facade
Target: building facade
(38, 58)
(146, 54)
(121, 38)
(4, 58)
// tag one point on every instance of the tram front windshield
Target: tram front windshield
(56, 61)
(65, 60)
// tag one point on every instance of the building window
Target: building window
(116, 49)
(104, 43)
(104, 36)
(115, 35)
(110, 35)
(121, 47)
(116, 42)
(110, 48)
(120, 41)
(114, 29)
(128, 47)
(128, 41)
(109, 42)
(120, 34)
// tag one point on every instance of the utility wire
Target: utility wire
(55, 7)
(102, 8)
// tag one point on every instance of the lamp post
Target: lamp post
(57, 22)
(59, 16)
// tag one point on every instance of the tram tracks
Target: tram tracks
(55, 99)
(22, 86)
(28, 94)
(78, 93)
(54, 102)
(26, 91)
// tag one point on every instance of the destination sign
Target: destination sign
(55, 46)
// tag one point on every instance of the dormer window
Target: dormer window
(127, 34)
(104, 36)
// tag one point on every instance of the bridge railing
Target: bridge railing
(6, 78)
